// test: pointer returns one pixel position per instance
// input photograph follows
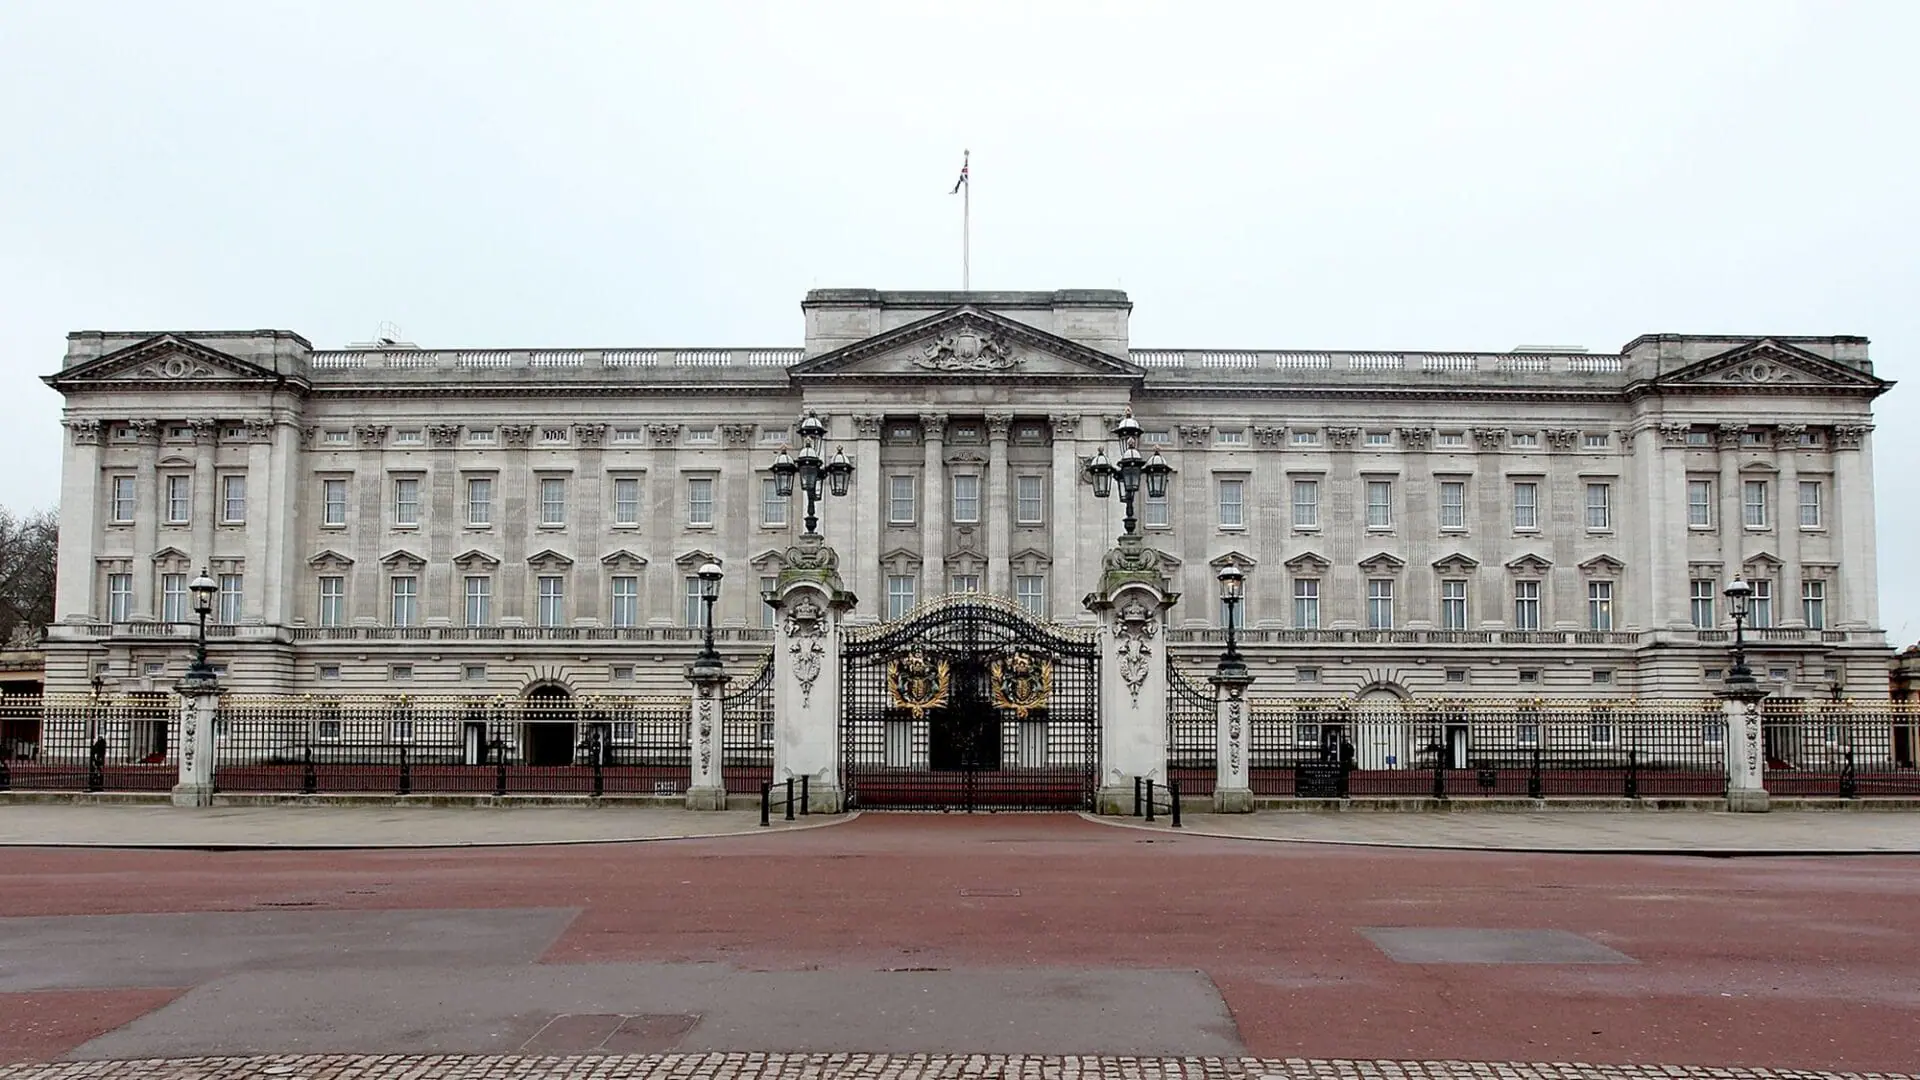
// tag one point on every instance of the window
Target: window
(1810, 504)
(401, 673)
(1231, 516)
(1306, 603)
(769, 615)
(1754, 503)
(1231, 436)
(1307, 675)
(179, 499)
(408, 437)
(1457, 676)
(1453, 504)
(233, 499)
(1153, 512)
(1753, 438)
(1526, 505)
(1699, 438)
(1526, 605)
(1602, 677)
(333, 600)
(1813, 604)
(1699, 504)
(479, 600)
(553, 501)
(1379, 504)
(1760, 604)
(699, 435)
(1161, 437)
(694, 608)
(773, 508)
(1380, 603)
(173, 598)
(328, 672)
(1030, 590)
(553, 600)
(1306, 438)
(406, 501)
(480, 500)
(121, 508)
(1704, 590)
(965, 583)
(333, 502)
(634, 435)
(1600, 605)
(1812, 438)
(119, 597)
(626, 500)
(1379, 438)
(899, 595)
(621, 673)
(405, 595)
(700, 501)
(1451, 438)
(1526, 439)
(900, 500)
(227, 600)
(626, 600)
(1599, 507)
(1530, 676)
(484, 437)
(1028, 506)
(1453, 605)
(966, 498)
(1306, 504)
(1594, 441)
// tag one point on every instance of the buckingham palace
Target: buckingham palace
(392, 518)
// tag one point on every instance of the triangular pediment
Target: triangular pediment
(1769, 364)
(475, 559)
(163, 360)
(1239, 559)
(1308, 562)
(1383, 563)
(1603, 566)
(770, 561)
(330, 560)
(1762, 560)
(693, 560)
(966, 342)
(1456, 563)
(1529, 565)
(402, 559)
(900, 561)
(549, 560)
(622, 559)
(171, 555)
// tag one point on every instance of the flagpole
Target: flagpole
(966, 227)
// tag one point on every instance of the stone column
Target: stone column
(1733, 523)
(1788, 609)
(1232, 792)
(806, 671)
(269, 516)
(707, 788)
(999, 516)
(81, 499)
(205, 510)
(870, 514)
(260, 586)
(1131, 602)
(1064, 522)
(933, 517)
(1852, 512)
(199, 703)
(1746, 780)
(148, 508)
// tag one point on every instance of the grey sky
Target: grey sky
(1396, 175)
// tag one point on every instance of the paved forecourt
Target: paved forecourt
(872, 1067)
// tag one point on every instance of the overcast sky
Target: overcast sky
(1327, 175)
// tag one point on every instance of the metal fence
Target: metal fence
(1533, 750)
(594, 746)
(1842, 749)
(88, 743)
(1192, 731)
(746, 730)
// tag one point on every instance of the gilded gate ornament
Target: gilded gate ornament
(917, 684)
(1021, 684)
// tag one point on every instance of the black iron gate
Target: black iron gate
(970, 703)
(1192, 731)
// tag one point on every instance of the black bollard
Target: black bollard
(766, 799)
(1173, 792)
(1149, 798)
(789, 798)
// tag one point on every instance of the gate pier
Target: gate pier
(811, 602)
(1131, 602)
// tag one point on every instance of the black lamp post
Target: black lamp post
(1739, 596)
(709, 593)
(1231, 580)
(203, 589)
(1131, 470)
(810, 469)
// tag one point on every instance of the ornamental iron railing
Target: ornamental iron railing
(1192, 736)
(1845, 749)
(88, 743)
(746, 730)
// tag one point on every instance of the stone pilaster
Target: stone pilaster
(999, 514)
(1131, 601)
(870, 513)
(148, 510)
(806, 671)
(1062, 520)
(1788, 610)
(1852, 512)
(83, 496)
(933, 514)
(1732, 521)
(260, 586)
(1232, 791)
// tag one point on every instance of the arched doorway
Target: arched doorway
(1383, 736)
(547, 728)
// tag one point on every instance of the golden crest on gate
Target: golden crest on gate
(1021, 684)
(917, 684)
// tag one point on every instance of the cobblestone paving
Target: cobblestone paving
(871, 1067)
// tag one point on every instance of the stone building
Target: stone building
(393, 518)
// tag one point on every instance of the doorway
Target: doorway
(548, 735)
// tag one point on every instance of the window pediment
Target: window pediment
(1237, 559)
(1602, 566)
(1765, 562)
(622, 560)
(900, 561)
(402, 559)
(549, 560)
(330, 560)
(1456, 563)
(692, 561)
(1529, 565)
(1308, 562)
(475, 560)
(1030, 561)
(1383, 563)
(170, 556)
(770, 561)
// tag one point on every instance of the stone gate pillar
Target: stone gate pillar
(1746, 761)
(1232, 793)
(199, 707)
(707, 787)
(806, 671)
(1131, 603)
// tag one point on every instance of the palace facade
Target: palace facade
(401, 519)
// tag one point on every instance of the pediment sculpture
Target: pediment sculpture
(967, 350)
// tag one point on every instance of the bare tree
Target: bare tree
(29, 545)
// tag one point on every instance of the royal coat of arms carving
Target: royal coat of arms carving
(967, 350)
(918, 684)
(1021, 684)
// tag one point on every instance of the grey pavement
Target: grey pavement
(336, 826)
(1785, 832)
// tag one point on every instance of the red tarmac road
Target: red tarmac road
(1811, 963)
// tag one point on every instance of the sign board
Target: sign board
(1319, 780)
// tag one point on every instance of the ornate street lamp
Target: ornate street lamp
(203, 589)
(809, 468)
(1231, 666)
(1132, 470)
(710, 575)
(1739, 596)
